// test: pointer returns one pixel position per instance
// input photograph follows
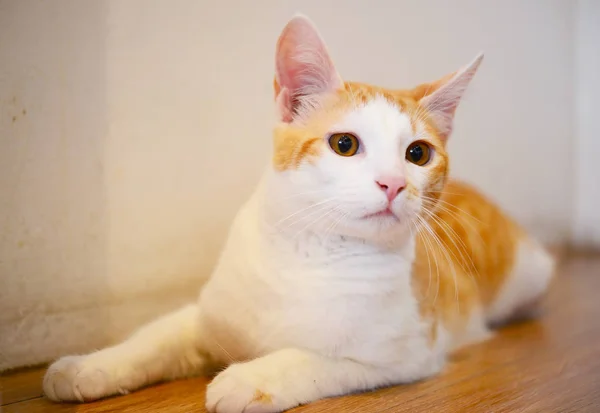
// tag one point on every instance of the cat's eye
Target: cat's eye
(344, 144)
(418, 153)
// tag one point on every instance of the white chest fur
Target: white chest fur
(334, 295)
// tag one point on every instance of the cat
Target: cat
(357, 262)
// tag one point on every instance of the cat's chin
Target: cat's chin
(376, 227)
(384, 214)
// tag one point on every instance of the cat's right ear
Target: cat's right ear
(303, 68)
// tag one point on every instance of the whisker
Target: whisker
(334, 224)
(298, 194)
(429, 231)
(445, 192)
(446, 205)
(464, 254)
(459, 217)
(327, 212)
(419, 233)
(444, 250)
(311, 206)
(229, 356)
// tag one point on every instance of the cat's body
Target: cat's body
(341, 273)
(343, 297)
(309, 290)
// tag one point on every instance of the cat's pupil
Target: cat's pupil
(416, 153)
(345, 144)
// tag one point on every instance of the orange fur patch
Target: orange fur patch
(462, 263)
(463, 259)
(294, 144)
(262, 397)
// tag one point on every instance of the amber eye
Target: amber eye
(418, 153)
(344, 144)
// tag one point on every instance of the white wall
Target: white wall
(130, 132)
(53, 206)
(586, 229)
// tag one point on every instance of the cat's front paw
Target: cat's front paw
(79, 378)
(241, 388)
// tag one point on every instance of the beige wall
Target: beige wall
(130, 132)
(586, 223)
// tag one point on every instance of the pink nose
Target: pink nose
(391, 185)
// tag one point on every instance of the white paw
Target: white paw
(241, 388)
(79, 378)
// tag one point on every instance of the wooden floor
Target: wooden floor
(548, 365)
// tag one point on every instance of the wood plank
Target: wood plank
(20, 385)
(183, 396)
(571, 310)
(556, 380)
(545, 365)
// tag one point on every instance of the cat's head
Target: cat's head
(351, 158)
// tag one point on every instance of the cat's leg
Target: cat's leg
(290, 377)
(167, 348)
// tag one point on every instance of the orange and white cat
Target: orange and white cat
(355, 264)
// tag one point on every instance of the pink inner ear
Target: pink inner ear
(285, 105)
(442, 103)
(289, 65)
(303, 66)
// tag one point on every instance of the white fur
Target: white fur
(347, 186)
(310, 299)
(529, 279)
(330, 290)
(475, 331)
(164, 349)
(316, 297)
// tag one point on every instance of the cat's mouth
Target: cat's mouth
(384, 213)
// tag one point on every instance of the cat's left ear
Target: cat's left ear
(304, 68)
(441, 98)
